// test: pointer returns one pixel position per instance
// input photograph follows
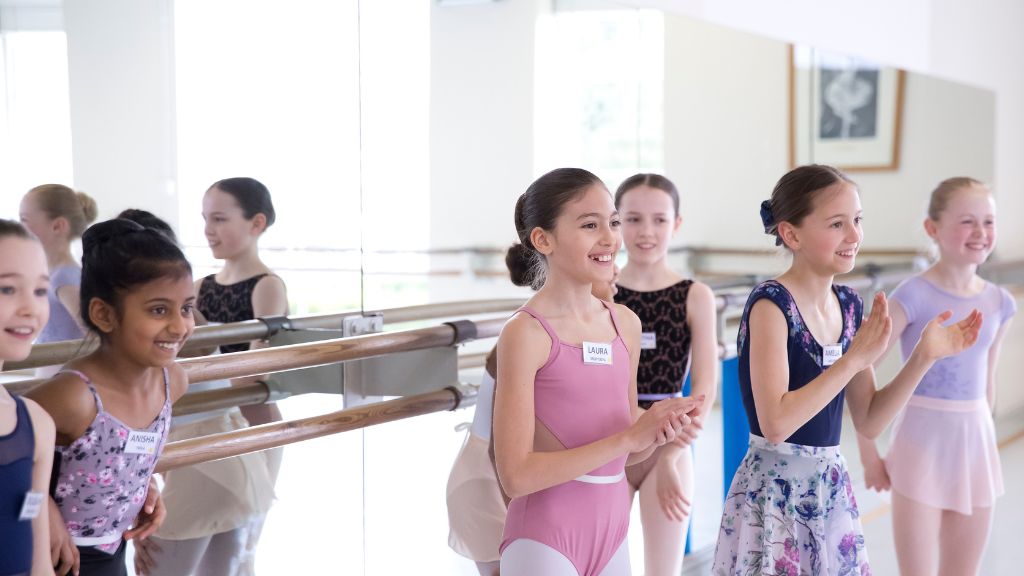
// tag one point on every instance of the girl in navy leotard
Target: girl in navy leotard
(26, 432)
(803, 350)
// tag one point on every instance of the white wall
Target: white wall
(727, 138)
(121, 72)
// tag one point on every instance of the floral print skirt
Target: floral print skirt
(791, 512)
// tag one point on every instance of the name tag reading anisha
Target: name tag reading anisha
(140, 442)
(597, 353)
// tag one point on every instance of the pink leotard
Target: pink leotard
(585, 519)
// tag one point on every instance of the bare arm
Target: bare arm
(42, 426)
(704, 361)
(993, 363)
(780, 411)
(68, 296)
(269, 298)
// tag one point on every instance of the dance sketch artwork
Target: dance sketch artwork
(844, 111)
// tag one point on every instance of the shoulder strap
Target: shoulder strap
(167, 389)
(543, 322)
(611, 312)
(88, 382)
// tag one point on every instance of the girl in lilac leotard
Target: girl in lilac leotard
(566, 419)
(112, 407)
(943, 462)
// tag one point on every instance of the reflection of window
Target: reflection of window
(35, 116)
(272, 90)
(599, 92)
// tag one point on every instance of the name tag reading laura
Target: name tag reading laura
(141, 442)
(32, 505)
(830, 353)
(648, 340)
(595, 353)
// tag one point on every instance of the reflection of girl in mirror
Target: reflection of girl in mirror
(566, 420)
(112, 408)
(216, 509)
(678, 318)
(57, 215)
(476, 505)
(26, 430)
(943, 462)
(803, 349)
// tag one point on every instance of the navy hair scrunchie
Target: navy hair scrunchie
(768, 219)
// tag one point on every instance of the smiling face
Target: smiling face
(649, 221)
(828, 238)
(151, 321)
(24, 308)
(965, 231)
(585, 238)
(228, 232)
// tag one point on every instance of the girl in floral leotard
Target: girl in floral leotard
(803, 351)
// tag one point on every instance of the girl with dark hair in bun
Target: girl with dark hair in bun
(112, 408)
(803, 351)
(566, 420)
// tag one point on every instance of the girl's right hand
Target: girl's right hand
(873, 336)
(662, 422)
(876, 477)
(63, 552)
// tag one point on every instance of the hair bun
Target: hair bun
(520, 262)
(89, 209)
(97, 235)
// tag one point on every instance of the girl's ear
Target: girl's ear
(679, 222)
(102, 315)
(60, 224)
(789, 235)
(931, 228)
(259, 223)
(541, 240)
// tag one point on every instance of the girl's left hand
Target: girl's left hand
(673, 502)
(152, 515)
(938, 341)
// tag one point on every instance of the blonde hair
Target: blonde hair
(59, 201)
(944, 191)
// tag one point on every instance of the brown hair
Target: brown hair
(794, 195)
(654, 181)
(59, 201)
(945, 190)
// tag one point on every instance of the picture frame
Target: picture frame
(844, 111)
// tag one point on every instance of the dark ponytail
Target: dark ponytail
(118, 255)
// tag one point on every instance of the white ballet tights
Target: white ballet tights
(524, 557)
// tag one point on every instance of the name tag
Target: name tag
(648, 340)
(32, 505)
(141, 442)
(830, 353)
(595, 353)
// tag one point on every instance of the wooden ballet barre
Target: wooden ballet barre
(220, 398)
(311, 354)
(249, 330)
(273, 435)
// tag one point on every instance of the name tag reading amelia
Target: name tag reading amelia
(648, 340)
(141, 442)
(830, 353)
(597, 353)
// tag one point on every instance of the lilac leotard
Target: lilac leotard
(965, 375)
(584, 519)
(99, 485)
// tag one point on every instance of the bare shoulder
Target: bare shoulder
(700, 294)
(627, 319)
(41, 421)
(270, 296)
(525, 337)
(68, 401)
(178, 380)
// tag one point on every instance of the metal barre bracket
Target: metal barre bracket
(275, 324)
(465, 330)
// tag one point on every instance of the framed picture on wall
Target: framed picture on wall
(843, 111)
